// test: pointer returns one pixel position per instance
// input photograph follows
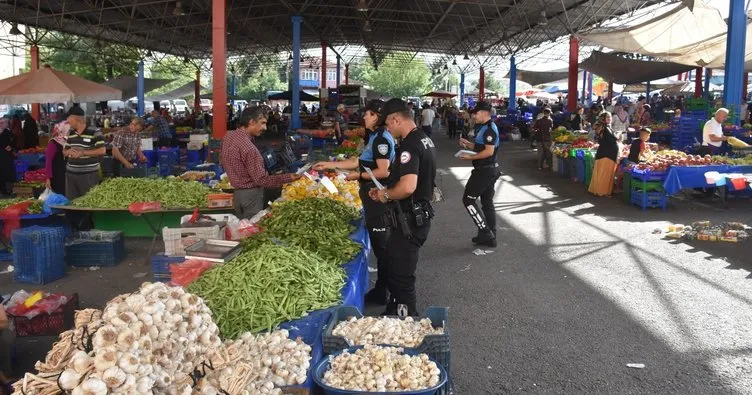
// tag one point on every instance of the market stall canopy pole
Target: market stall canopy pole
(574, 49)
(698, 82)
(735, 53)
(53, 86)
(512, 83)
(629, 71)
(219, 70)
(295, 93)
(140, 88)
(129, 85)
(34, 67)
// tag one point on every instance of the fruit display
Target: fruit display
(660, 127)
(736, 143)
(560, 134)
(33, 150)
(224, 182)
(36, 175)
(744, 161)
(705, 231)
(347, 191)
(562, 150)
(197, 175)
(119, 193)
(357, 132)
(662, 160)
(581, 142)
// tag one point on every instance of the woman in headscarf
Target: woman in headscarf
(54, 159)
(602, 181)
(620, 121)
(645, 118)
(15, 127)
(30, 132)
(7, 166)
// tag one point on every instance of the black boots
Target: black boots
(377, 296)
(486, 237)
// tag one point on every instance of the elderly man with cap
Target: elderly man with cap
(84, 150)
(482, 182)
(377, 156)
(408, 197)
(712, 132)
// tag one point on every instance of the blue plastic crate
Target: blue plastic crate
(151, 157)
(580, 171)
(165, 170)
(647, 175)
(22, 167)
(95, 248)
(192, 156)
(37, 256)
(160, 266)
(169, 156)
(647, 200)
(139, 172)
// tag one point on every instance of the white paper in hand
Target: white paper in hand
(329, 185)
(463, 152)
(375, 181)
(304, 168)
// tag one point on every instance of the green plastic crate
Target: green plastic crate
(626, 184)
(589, 163)
(648, 186)
(133, 226)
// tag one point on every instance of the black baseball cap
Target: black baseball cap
(76, 110)
(375, 106)
(392, 106)
(481, 106)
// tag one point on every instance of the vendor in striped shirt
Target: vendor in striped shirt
(84, 151)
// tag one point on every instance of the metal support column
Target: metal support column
(482, 84)
(584, 86)
(512, 83)
(197, 94)
(736, 41)
(34, 66)
(140, 89)
(706, 88)
(219, 70)
(590, 89)
(462, 89)
(744, 87)
(323, 65)
(698, 82)
(647, 91)
(611, 91)
(339, 71)
(347, 73)
(295, 105)
(232, 90)
(574, 49)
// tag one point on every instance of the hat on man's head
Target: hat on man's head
(481, 106)
(375, 106)
(76, 110)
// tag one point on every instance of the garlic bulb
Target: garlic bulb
(385, 330)
(381, 369)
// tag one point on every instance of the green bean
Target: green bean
(119, 193)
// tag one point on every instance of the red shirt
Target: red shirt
(244, 165)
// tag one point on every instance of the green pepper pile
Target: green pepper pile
(262, 288)
(318, 225)
(119, 193)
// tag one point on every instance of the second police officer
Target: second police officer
(485, 172)
(408, 197)
(377, 155)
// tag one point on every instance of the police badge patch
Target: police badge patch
(383, 148)
(489, 138)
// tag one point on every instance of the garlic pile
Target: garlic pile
(147, 342)
(385, 330)
(381, 369)
(258, 364)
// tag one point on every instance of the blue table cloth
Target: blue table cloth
(690, 177)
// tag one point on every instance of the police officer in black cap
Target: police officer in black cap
(377, 155)
(486, 171)
(408, 196)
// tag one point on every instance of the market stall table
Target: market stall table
(690, 177)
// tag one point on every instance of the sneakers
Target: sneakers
(485, 238)
(376, 296)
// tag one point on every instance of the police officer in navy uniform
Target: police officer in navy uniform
(377, 155)
(485, 173)
(408, 196)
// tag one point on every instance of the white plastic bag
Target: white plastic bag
(47, 192)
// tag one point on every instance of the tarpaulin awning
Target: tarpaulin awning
(678, 32)
(621, 70)
(47, 85)
(440, 94)
(686, 87)
(713, 54)
(656, 85)
(129, 85)
(287, 95)
(189, 89)
(542, 77)
(210, 96)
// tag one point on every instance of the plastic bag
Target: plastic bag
(240, 229)
(11, 217)
(143, 207)
(44, 195)
(49, 304)
(188, 271)
(54, 199)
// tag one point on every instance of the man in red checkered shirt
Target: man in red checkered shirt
(245, 166)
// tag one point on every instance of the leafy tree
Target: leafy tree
(394, 77)
(491, 84)
(255, 75)
(86, 57)
(174, 68)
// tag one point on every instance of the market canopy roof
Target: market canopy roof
(189, 89)
(263, 27)
(53, 86)
(129, 85)
(620, 70)
(287, 95)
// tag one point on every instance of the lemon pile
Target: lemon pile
(306, 188)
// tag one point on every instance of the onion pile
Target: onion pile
(381, 369)
(385, 330)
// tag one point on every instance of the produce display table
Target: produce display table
(690, 177)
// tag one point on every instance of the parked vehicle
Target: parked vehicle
(166, 104)
(180, 106)
(206, 105)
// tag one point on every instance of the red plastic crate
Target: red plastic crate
(48, 324)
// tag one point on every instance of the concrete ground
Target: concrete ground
(578, 288)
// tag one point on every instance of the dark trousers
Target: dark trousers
(427, 130)
(77, 185)
(451, 129)
(544, 154)
(165, 142)
(248, 202)
(481, 185)
(378, 233)
(403, 260)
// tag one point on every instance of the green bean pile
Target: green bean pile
(258, 290)
(119, 193)
(318, 225)
(36, 206)
(5, 203)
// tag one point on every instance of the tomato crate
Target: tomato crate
(51, 324)
(436, 346)
(95, 248)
